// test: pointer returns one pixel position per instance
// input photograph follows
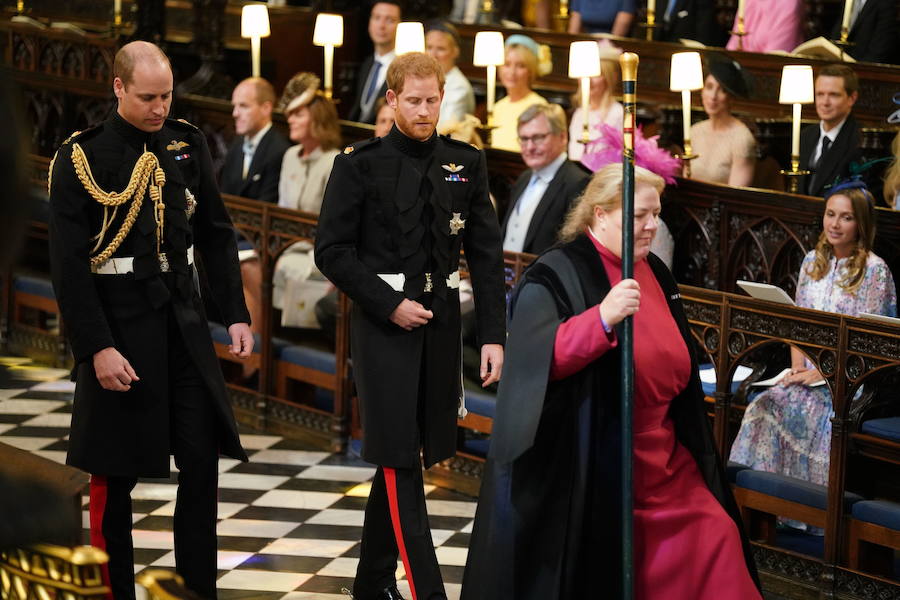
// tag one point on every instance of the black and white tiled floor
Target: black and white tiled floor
(289, 520)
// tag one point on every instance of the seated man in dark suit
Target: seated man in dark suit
(371, 83)
(873, 31)
(542, 195)
(828, 148)
(253, 163)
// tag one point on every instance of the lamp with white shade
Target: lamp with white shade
(329, 33)
(796, 89)
(584, 63)
(686, 75)
(489, 52)
(410, 38)
(255, 25)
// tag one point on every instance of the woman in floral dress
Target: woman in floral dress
(787, 429)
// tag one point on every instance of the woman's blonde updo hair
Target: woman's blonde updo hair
(864, 213)
(603, 190)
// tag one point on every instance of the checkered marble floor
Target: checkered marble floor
(289, 520)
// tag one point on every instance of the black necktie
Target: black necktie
(826, 144)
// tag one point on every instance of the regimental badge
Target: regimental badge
(348, 149)
(457, 223)
(452, 167)
(190, 203)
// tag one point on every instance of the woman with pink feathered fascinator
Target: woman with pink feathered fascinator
(608, 149)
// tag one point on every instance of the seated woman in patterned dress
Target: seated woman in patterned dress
(787, 429)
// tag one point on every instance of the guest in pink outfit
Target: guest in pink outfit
(547, 525)
(770, 25)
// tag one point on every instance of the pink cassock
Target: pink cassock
(686, 545)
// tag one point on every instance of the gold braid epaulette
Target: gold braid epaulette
(147, 166)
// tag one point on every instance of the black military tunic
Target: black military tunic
(398, 206)
(127, 433)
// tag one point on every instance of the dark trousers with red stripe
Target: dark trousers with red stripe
(396, 525)
(193, 435)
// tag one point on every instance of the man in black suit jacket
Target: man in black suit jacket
(542, 195)
(371, 83)
(689, 19)
(253, 163)
(397, 211)
(828, 148)
(873, 32)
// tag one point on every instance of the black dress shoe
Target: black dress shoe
(390, 593)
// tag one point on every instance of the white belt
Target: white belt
(125, 264)
(397, 281)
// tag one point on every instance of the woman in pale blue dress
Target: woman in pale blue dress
(787, 429)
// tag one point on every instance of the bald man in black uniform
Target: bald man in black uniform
(131, 202)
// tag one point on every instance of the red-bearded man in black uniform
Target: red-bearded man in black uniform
(397, 212)
(131, 200)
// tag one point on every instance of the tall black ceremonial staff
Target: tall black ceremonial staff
(629, 63)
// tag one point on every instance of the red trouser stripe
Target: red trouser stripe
(390, 481)
(97, 510)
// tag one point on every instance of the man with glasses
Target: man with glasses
(542, 195)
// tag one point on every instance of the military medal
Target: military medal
(456, 223)
(190, 203)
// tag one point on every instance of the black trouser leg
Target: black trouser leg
(378, 550)
(194, 444)
(110, 511)
(397, 523)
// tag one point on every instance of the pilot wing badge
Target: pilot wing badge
(454, 170)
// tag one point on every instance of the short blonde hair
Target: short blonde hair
(603, 190)
(528, 57)
(413, 64)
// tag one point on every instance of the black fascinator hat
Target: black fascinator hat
(730, 75)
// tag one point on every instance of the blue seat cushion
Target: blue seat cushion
(36, 286)
(879, 512)
(789, 488)
(732, 469)
(481, 403)
(478, 446)
(710, 388)
(888, 428)
(310, 358)
(245, 244)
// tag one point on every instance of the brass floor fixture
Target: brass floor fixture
(45, 572)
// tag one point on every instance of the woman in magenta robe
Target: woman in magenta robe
(547, 522)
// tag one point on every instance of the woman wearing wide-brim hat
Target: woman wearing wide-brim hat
(726, 148)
